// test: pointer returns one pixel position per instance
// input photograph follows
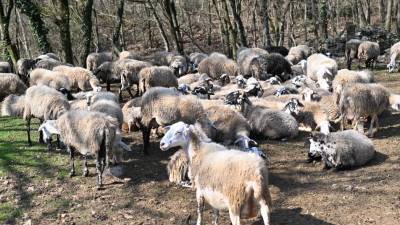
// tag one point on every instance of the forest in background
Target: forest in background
(74, 28)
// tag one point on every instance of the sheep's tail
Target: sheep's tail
(13, 105)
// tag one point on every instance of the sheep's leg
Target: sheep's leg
(72, 159)
(264, 211)
(376, 123)
(146, 139)
(28, 130)
(85, 168)
(120, 95)
(130, 93)
(235, 219)
(200, 208)
(49, 144)
(108, 85)
(58, 141)
(99, 168)
(137, 90)
(215, 216)
(371, 127)
(41, 141)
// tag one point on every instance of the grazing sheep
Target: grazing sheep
(89, 133)
(130, 76)
(195, 59)
(13, 105)
(129, 55)
(394, 53)
(321, 69)
(298, 53)
(269, 123)
(53, 79)
(48, 64)
(93, 97)
(110, 108)
(10, 84)
(164, 106)
(278, 49)
(369, 51)
(351, 51)
(245, 57)
(5, 67)
(348, 77)
(44, 103)
(218, 64)
(94, 60)
(366, 100)
(24, 67)
(274, 64)
(211, 164)
(341, 150)
(132, 113)
(80, 78)
(156, 76)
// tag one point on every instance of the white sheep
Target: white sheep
(80, 78)
(94, 60)
(211, 164)
(348, 77)
(394, 53)
(53, 79)
(298, 53)
(369, 51)
(11, 84)
(321, 69)
(341, 150)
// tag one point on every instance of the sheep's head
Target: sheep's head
(125, 81)
(102, 71)
(309, 95)
(274, 81)
(394, 101)
(282, 91)
(241, 82)
(48, 128)
(293, 107)
(224, 79)
(176, 136)
(202, 92)
(391, 67)
(320, 147)
(249, 145)
(303, 64)
(67, 94)
(184, 89)
(299, 81)
(179, 66)
(254, 87)
(237, 98)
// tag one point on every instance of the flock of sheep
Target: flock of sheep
(210, 107)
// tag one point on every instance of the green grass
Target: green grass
(25, 165)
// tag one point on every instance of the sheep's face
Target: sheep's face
(184, 89)
(293, 107)
(202, 92)
(274, 81)
(176, 136)
(241, 82)
(391, 67)
(125, 81)
(179, 67)
(48, 128)
(299, 81)
(324, 84)
(224, 79)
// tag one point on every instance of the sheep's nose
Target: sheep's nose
(163, 145)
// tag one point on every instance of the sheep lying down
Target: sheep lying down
(341, 150)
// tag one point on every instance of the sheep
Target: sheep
(348, 77)
(245, 57)
(156, 76)
(130, 76)
(94, 60)
(162, 106)
(80, 78)
(93, 97)
(269, 123)
(163, 58)
(369, 51)
(278, 49)
(179, 65)
(218, 64)
(53, 79)
(110, 108)
(49, 63)
(89, 133)
(132, 113)
(11, 84)
(178, 168)
(189, 78)
(48, 56)
(24, 67)
(366, 100)
(5, 67)
(313, 115)
(298, 53)
(44, 103)
(321, 69)
(79, 104)
(341, 150)
(195, 59)
(394, 53)
(266, 66)
(300, 68)
(13, 106)
(129, 55)
(211, 164)
(351, 51)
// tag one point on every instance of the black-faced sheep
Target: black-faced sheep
(341, 150)
(211, 164)
(274, 64)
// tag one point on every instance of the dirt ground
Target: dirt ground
(302, 193)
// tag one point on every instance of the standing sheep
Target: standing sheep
(211, 164)
(369, 51)
(110, 108)
(278, 49)
(80, 79)
(274, 64)
(218, 64)
(13, 105)
(298, 53)
(24, 67)
(129, 55)
(394, 53)
(10, 84)
(321, 69)
(49, 63)
(89, 133)
(195, 59)
(94, 60)
(348, 77)
(53, 79)
(244, 59)
(341, 150)
(156, 76)
(130, 76)
(351, 51)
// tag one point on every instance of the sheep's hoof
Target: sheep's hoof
(72, 173)
(85, 173)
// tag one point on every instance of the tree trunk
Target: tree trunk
(5, 23)
(170, 9)
(388, 24)
(305, 22)
(39, 30)
(265, 20)
(62, 21)
(398, 17)
(167, 46)
(97, 36)
(116, 45)
(323, 17)
(24, 40)
(232, 30)
(209, 40)
(86, 30)
(315, 21)
(238, 21)
(224, 31)
(382, 12)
